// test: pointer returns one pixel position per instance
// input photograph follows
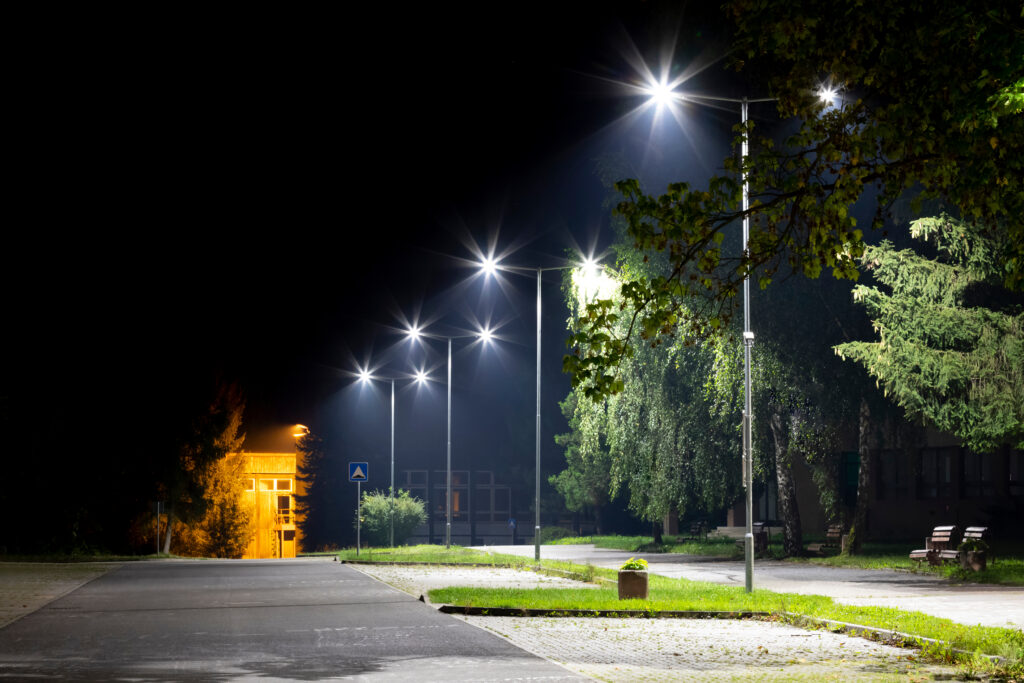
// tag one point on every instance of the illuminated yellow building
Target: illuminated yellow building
(271, 485)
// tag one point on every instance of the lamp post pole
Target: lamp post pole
(663, 95)
(391, 530)
(536, 524)
(448, 497)
(488, 266)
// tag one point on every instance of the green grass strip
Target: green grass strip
(694, 596)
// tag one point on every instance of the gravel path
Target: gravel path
(671, 649)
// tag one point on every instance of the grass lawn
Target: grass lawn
(680, 594)
(1008, 568)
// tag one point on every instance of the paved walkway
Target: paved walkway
(671, 649)
(966, 603)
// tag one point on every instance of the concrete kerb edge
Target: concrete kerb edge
(882, 635)
(613, 613)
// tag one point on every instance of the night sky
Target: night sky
(263, 196)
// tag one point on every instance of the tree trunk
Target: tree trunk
(170, 525)
(792, 534)
(656, 530)
(859, 528)
(598, 520)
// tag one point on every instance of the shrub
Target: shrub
(635, 563)
(409, 513)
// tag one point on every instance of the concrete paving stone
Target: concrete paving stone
(706, 650)
(671, 649)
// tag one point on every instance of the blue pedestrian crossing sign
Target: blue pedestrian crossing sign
(358, 471)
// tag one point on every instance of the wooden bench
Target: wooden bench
(698, 532)
(939, 547)
(761, 539)
(833, 539)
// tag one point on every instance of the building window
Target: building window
(1016, 473)
(893, 475)
(266, 484)
(289, 534)
(936, 473)
(284, 484)
(978, 476)
(250, 484)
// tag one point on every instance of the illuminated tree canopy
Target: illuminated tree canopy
(939, 355)
(931, 107)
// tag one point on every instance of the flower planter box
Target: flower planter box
(632, 584)
(973, 560)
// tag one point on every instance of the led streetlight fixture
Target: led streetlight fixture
(488, 265)
(661, 94)
(485, 335)
(421, 377)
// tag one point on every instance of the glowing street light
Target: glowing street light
(489, 267)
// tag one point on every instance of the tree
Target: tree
(378, 509)
(213, 431)
(228, 523)
(941, 355)
(933, 97)
(586, 479)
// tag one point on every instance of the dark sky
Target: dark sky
(261, 195)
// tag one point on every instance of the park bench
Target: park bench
(698, 532)
(761, 539)
(939, 547)
(833, 539)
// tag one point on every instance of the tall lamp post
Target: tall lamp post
(489, 267)
(415, 334)
(663, 95)
(366, 377)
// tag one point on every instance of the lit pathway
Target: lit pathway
(672, 649)
(966, 603)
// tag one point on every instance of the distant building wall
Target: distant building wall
(271, 486)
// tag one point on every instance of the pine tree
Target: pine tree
(950, 347)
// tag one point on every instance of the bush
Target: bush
(553, 533)
(409, 513)
(637, 564)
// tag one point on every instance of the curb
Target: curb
(614, 613)
(882, 635)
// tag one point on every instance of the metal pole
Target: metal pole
(448, 527)
(158, 527)
(359, 516)
(536, 502)
(748, 341)
(391, 532)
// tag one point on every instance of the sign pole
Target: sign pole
(359, 515)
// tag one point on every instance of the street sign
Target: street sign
(358, 471)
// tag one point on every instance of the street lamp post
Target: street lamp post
(365, 376)
(488, 267)
(664, 95)
(415, 333)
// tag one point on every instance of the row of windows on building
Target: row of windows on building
(949, 472)
(473, 493)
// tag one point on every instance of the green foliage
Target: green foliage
(973, 545)
(227, 526)
(941, 356)
(192, 481)
(932, 102)
(378, 508)
(639, 564)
